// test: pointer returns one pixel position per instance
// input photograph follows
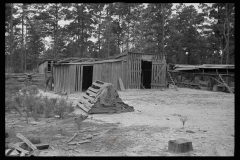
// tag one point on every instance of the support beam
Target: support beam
(216, 80)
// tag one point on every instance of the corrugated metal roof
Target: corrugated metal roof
(204, 66)
(95, 62)
(180, 69)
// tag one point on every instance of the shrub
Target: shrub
(183, 119)
(33, 90)
(62, 108)
(48, 107)
(70, 108)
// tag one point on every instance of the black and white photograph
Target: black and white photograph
(119, 79)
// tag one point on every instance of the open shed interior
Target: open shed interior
(87, 77)
(146, 74)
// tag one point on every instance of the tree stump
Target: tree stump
(180, 145)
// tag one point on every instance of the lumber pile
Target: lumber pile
(21, 77)
(25, 148)
(102, 97)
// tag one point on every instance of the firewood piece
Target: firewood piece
(34, 153)
(52, 147)
(80, 142)
(25, 146)
(14, 153)
(72, 137)
(22, 154)
(24, 139)
(11, 145)
(42, 146)
(179, 145)
(8, 151)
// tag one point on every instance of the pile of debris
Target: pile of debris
(26, 148)
(102, 97)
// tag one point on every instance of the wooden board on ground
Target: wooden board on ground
(24, 139)
(11, 145)
(80, 142)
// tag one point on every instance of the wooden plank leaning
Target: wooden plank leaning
(121, 84)
(11, 145)
(24, 139)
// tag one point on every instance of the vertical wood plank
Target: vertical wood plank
(129, 83)
(81, 78)
(127, 71)
(133, 65)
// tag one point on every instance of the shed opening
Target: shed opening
(49, 66)
(87, 77)
(146, 74)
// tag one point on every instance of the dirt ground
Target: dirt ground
(147, 130)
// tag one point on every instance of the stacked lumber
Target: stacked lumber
(25, 148)
(102, 97)
(35, 77)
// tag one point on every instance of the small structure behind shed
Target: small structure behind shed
(46, 63)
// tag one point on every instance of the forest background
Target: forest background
(184, 34)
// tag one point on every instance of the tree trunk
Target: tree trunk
(188, 56)
(99, 41)
(163, 29)
(108, 35)
(22, 56)
(11, 37)
(227, 42)
(128, 37)
(141, 25)
(82, 31)
(56, 30)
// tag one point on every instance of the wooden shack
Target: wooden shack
(46, 63)
(136, 70)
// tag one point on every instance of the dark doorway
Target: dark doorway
(87, 77)
(146, 74)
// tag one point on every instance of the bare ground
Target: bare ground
(147, 130)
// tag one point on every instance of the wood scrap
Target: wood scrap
(24, 139)
(80, 142)
(8, 151)
(121, 84)
(34, 152)
(52, 147)
(42, 146)
(22, 154)
(72, 137)
(14, 153)
(11, 145)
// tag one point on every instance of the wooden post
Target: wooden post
(81, 78)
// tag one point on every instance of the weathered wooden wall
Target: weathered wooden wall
(42, 66)
(61, 77)
(110, 72)
(134, 70)
(68, 77)
(159, 69)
